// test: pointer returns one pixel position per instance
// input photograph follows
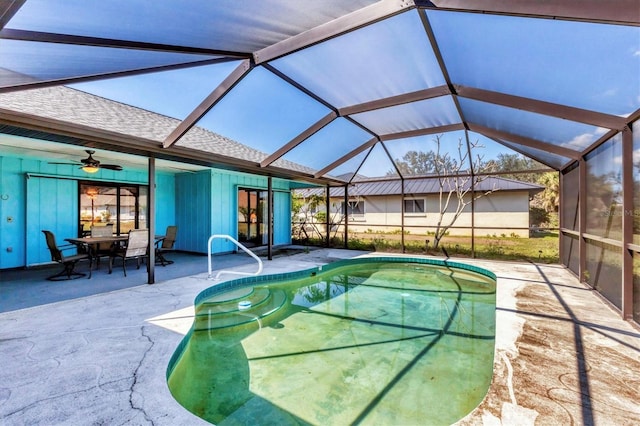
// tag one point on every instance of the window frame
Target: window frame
(140, 211)
(355, 216)
(414, 213)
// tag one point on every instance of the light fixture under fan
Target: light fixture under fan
(91, 165)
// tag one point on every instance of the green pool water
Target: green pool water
(372, 342)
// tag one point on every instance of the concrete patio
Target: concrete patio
(563, 356)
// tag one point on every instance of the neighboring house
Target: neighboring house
(377, 207)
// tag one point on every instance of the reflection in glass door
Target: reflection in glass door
(252, 217)
(128, 200)
(123, 206)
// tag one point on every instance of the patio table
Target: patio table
(91, 243)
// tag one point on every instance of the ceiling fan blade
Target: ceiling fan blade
(92, 162)
(111, 167)
(66, 164)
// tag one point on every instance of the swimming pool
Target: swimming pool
(377, 340)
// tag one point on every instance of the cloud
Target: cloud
(580, 141)
(636, 157)
(600, 131)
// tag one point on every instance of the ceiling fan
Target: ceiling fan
(91, 165)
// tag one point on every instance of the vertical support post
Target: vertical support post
(473, 220)
(269, 218)
(473, 201)
(118, 207)
(627, 223)
(582, 215)
(345, 215)
(151, 225)
(328, 205)
(402, 214)
(561, 237)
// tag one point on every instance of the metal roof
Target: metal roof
(315, 91)
(425, 186)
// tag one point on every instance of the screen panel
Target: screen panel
(604, 190)
(560, 61)
(374, 62)
(260, 22)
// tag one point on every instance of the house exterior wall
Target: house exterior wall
(193, 211)
(207, 204)
(497, 213)
(36, 195)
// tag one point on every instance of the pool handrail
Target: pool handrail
(238, 244)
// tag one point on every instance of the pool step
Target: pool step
(242, 308)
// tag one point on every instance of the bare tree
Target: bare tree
(308, 217)
(455, 180)
(303, 208)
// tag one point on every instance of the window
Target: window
(414, 206)
(354, 208)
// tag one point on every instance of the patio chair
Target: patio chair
(102, 249)
(135, 247)
(69, 262)
(165, 244)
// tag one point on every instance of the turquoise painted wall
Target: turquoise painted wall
(52, 204)
(218, 199)
(282, 217)
(225, 206)
(193, 211)
(200, 204)
(35, 183)
(165, 201)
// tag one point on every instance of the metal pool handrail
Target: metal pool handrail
(246, 250)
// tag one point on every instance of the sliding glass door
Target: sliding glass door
(252, 217)
(124, 206)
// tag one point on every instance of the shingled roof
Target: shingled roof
(70, 105)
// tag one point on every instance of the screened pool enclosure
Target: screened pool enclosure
(337, 94)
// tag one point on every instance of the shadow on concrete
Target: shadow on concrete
(581, 363)
(27, 287)
(22, 288)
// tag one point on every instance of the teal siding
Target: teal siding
(200, 204)
(165, 202)
(193, 211)
(281, 218)
(59, 215)
(12, 209)
(224, 207)
(22, 242)
(225, 204)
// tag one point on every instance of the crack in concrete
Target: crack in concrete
(135, 378)
(24, 408)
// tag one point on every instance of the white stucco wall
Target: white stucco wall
(498, 213)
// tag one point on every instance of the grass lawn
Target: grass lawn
(542, 247)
